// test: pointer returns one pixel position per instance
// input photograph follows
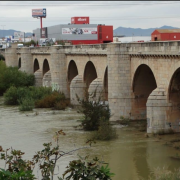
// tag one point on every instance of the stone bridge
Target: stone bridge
(139, 80)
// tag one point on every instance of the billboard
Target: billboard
(18, 35)
(79, 31)
(80, 20)
(39, 12)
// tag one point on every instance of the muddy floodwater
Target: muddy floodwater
(131, 157)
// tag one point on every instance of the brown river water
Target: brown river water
(130, 157)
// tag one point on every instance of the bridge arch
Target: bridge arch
(19, 63)
(36, 65)
(46, 67)
(72, 71)
(46, 74)
(144, 83)
(174, 99)
(71, 74)
(37, 73)
(90, 73)
(106, 84)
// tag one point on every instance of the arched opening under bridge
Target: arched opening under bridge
(89, 73)
(19, 63)
(143, 84)
(106, 84)
(174, 99)
(36, 65)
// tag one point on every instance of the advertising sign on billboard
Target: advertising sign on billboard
(18, 35)
(79, 31)
(39, 12)
(80, 20)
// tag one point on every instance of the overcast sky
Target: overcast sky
(17, 15)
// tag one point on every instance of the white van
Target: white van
(20, 45)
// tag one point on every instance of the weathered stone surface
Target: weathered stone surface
(138, 84)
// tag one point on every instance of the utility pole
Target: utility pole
(3, 29)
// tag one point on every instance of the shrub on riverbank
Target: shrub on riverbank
(93, 111)
(96, 118)
(105, 131)
(27, 104)
(55, 100)
(11, 76)
(14, 95)
(2, 58)
(39, 97)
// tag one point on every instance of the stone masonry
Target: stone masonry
(143, 78)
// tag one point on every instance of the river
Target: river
(132, 156)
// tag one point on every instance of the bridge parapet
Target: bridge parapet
(87, 49)
(155, 48)
(79, 49)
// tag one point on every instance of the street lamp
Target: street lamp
(3, 29)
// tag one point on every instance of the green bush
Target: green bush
(11, 76)
(40, 92)
(56, 100)
(29, 43)
(2, 57)
(93, 112)
(39, 97)
(10, 97)
(87, 170)
(18, 78)
(105, 131)
(61, 105)
(2, 78)
(26, 104)
(17, 168)
(14, 96)
(124, 121)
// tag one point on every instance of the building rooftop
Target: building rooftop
(168, 30)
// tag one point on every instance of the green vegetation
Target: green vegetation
(93, 112)
(2, 58)
(14, 95)
(26, 104)
(96, 118)
(29, 43)
(87, 170)
(46, 160)
(55, 100)
(17, 167)
(11, 76)
(105, 131)
(124, 121)
(39, 97)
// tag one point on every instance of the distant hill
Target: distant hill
(10, 32)
(129, 32)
